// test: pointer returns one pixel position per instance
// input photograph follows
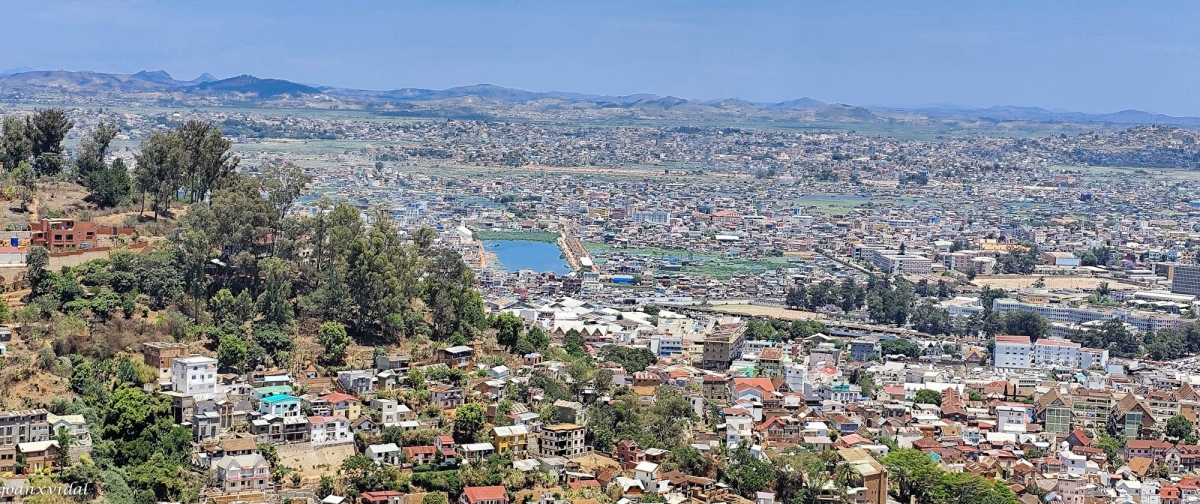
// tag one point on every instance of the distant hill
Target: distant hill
(492, 101)
(159, 76)
(204, 77)
(263, 88)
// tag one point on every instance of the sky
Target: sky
(1088, 56)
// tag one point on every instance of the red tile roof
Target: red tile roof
(477, 494)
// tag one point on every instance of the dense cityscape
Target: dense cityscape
(259, 291)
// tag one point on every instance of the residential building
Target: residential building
(328, 430)
(282, 405)
(870, 483)
(1011, 351)
(1049, 352)
(39, 455)
(483, 495)
(723, 346)
(561, 440)
(512, 439)
(243, 472)
(459, 356)
(195, 375)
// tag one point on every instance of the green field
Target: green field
(710, 264)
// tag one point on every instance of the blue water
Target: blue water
(536, 256)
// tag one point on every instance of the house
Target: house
(459, 356)
(364, 424)
(195, 375)
(387, 453)
(243, 472)
(446, 396)
(389, 410)
(38, 455)
(62, 234)
(628, 454)
(329, 430)
(474, 452)
(648, 473)
(74, 424)
(282, 405)
(158, 355)
(277, 429)
(382, 497)
(343, 405)
(512, 439)
(357, 381)
(421, 455)
(483, 495)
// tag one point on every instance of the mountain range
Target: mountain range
(487, 100)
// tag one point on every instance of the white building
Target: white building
(195, 375)
(1010, 415)
(1055, 352)
(738, 424)
(327, 430)
(243, 472)
(1011, 352)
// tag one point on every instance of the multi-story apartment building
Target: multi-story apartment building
(1011, 351)
(1055, 352)
(195, 375)
(1185, 279)
(18, 427)
(561, 440)
(724, 346)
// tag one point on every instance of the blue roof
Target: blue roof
(279, 398)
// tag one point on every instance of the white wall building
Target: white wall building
(195, 375)
(327, 430)
(1011, 352)
(1056, 352)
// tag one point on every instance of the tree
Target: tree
(35, 267)
(1024, 323)
(26, 183)
(899, 347)
(160, 169)
(509, 329)
(1179, 427)
(282, 185)
(232, 352)
(15, 145)
(573, 342)
(111, 186)
(913, 473)
(434, 498)
(46, 129)
(275, 300)
(209, 158)
(333, 339)
(537, 338)
(796, 297)
(926, 396)
(65, 441)
(468, 422)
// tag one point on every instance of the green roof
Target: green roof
(274, 390)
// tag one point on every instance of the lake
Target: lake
(536, 256)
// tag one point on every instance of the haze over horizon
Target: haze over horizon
(1093, 57)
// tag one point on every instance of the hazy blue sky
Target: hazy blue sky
(1090, 56)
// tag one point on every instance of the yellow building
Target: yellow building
(511, 439)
